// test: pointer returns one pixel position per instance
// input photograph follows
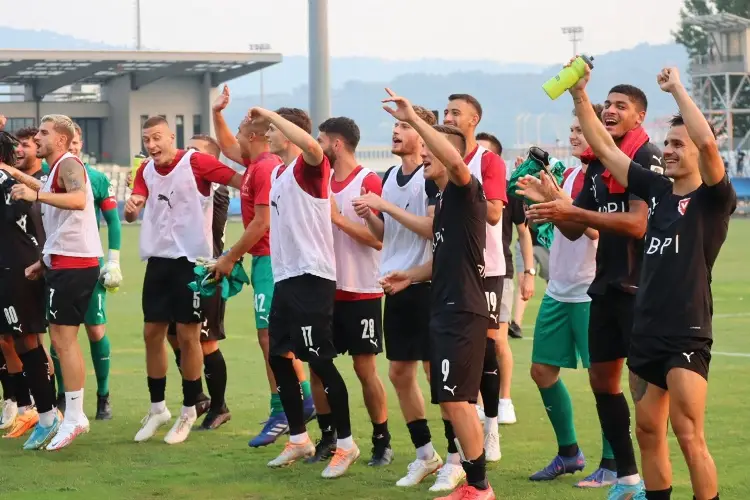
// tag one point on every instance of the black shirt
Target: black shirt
(219, 224)
(513, 213)
(618, 257)
(21, 232)
(683, 239)
(458, 245)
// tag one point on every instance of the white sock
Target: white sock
(453, 459)
(345, 444)
(189, 411)
(47, 418)
(22, 409)
(629, 480)
(490, 424)
(73, 405)
(159, 407)
(426, 452)
(299, 438)
(506, 402)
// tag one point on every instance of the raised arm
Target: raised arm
(596, 135)
(224, 136)
(458, 173)
(312, 153)
(710, 164)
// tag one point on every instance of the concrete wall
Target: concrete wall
(73, 109)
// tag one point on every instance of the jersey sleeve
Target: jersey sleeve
(645, 183)
(432, 191)
(649, 157)
(260, 183)
(585, 198)
(139, 184)
(211, 170)
(313, 179)
(493, 177)
(371, 184)
(722, 196)
(104, 193)
(517, 214)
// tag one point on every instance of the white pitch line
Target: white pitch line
(731, 315)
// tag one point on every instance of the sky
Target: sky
(502, 30)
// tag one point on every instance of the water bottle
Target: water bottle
(567, 77)
(134, 166)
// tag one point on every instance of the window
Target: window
(16, 124)
(197, 125)
(179, 124)
(143, 122)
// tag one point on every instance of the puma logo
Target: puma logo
(197, 314)
(53, 313)
(274, 204)
(163, 197)
(18, 329)
(374, 342)
(263, 318)
(688, 356)
(204, 332)
(317, 353)
(494, 372)
(325, 389)
(452, 390)
(493, 317)
(548, 408)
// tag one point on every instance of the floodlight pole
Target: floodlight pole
(320, 99)
(575, 35)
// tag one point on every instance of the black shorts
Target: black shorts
(69, 292)
(213, 309)
(358, 326)
(22, 303)
(166, 296)
(457, 358)
(610, 325)
(301, 319)
(651, 358)
(493, 291)
(406, 324)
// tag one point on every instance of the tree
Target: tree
(695, 39)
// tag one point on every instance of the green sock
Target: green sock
(276, 407)
(559, 407)
(306, 392)
(100, 354)
(607, 449)
(58, 371)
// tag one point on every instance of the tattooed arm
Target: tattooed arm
(71, 178)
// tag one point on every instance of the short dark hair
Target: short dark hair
(484, 136)
(154, 121)
(454, 131)
(26, 133)
(677, 120)
(213, 145)
(469, 99)
(636, 95)
(297, 116)
(598, 109)
(426, 115)
(343, 127)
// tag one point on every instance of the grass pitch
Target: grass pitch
(106, 463)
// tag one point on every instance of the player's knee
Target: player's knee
(688, 434)
(401, 375)
(6, 344)
(649, 434)
(602, 380)
(95, 332)
(365, 368)
(209, 347)
(544, 375)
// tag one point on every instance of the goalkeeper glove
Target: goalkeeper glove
(111, 275)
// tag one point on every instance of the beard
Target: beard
(331, 156)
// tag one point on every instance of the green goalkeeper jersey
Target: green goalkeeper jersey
(104, 193)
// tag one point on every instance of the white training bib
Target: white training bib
(494, 259)
(174, 208)
(357, 265)
(572, 264)
(302, 236)
(71, 233)
(402, 248)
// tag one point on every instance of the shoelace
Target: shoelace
(182, 423)
(339, 456)
(445, 472)
(415, 465)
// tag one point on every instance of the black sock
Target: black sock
(290, 393)
(476, 472)
(381, 438)
(567, 451)
(21, 388)
(490, 383)
(191, 389)
(156, 388)
(215, 369)
(608, 463)
(419, 432)
(338, 396)
(178, 359)
(614, 417)
(6, 380)
(37, 377)
(450, 436)
(53, 382)
(714, 498)
(327, 427)
(659, 494)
